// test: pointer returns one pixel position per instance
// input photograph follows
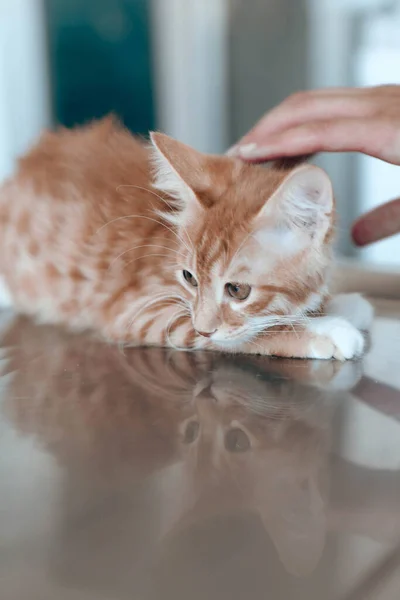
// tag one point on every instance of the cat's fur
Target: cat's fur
(92, 236)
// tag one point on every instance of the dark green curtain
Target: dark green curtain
(100, 61)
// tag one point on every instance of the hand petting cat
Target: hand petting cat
(365, 120)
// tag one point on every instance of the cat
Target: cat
(163, 245)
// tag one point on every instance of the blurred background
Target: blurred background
(201, 70)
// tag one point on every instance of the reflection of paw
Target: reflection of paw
(335, 375)
(352, 307)
(335, 338)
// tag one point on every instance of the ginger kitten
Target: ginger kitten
(162, 245)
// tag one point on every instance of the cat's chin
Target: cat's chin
(234, 341)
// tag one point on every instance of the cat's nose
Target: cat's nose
(206, 334)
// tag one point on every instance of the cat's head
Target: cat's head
(255, 243)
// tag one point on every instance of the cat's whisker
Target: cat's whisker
(149, 219)
(241, 246)
(160, 213)
(162, 238)
(267, 401)
(294, 330)
(266, 332)
(189, 238)
(142, 308)
(265, 407)
(161, 297)
(131, 322)
(145, 256)
(184, 230)
(263, 324)
(143, 246)
(138, 187)
(171, 321)
(253, 343)
(306, 318)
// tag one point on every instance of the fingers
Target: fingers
(336, 135)
(303, 107)
(330, 120)
(380, 223)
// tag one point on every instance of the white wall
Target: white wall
(378, 62)
(24, 88)
(190, 61)
(356, 43)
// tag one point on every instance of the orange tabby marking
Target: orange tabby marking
(93, 236)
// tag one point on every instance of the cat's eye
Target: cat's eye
(239, 291)
(190, 278)
(236, 440)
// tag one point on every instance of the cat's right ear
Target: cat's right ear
(179, 172)
(303, 204)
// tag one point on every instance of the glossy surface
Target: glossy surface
(165, 475)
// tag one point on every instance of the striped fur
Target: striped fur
(97, 229)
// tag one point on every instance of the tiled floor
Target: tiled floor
(153, 474)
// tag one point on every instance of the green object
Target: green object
(100, 61)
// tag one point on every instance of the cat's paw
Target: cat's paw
(334, 337)
(352, 307)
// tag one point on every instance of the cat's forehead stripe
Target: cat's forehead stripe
(210, 250)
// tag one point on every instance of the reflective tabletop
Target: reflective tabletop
(151, 474)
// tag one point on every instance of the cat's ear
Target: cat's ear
(303, 203)
(179, 171)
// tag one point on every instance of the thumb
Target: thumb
(378, 224)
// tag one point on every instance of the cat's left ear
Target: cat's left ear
(303, 203)
(180, 171)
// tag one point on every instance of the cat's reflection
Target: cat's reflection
(209, 434)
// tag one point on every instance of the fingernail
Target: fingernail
(254, 152)
(248, 150)
(233, 151)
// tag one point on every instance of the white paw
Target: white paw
(335, 338)
(352, 307)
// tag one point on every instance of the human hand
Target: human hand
(365, 120)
